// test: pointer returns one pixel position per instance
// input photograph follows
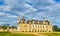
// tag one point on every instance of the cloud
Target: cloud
(31, 9)
(42, 3)
(4, 8)
(7, 19)
(8, 15)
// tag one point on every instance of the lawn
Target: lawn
(21, 34)
(51, 33)
(12, 34)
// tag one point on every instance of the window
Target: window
(33, 25)
(29, 31)
(45, 31)
(41, 26)
(46, 26)
(38, 26)
(26, 31)
(49, 31)
(22, 31)
(25, 25)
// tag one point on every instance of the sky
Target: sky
(30, 9)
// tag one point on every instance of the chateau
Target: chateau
(34, 25)
(31, 26)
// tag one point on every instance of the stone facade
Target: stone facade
(31, 26)
(34, 25)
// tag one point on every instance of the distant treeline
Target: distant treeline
(56, 29)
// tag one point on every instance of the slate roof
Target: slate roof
(36, 21)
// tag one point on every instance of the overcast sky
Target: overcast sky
(31, 9)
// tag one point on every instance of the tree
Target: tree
(59, 29)
(4, 27)
(55, 28)
(13, 27)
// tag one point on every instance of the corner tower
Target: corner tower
(22, 20)
(18, 19)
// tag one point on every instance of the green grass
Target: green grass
(21, 34)
(11, 34)
(51, 33)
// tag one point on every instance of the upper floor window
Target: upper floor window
(25, 25)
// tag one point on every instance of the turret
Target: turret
(18, 19)
(22, 20)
